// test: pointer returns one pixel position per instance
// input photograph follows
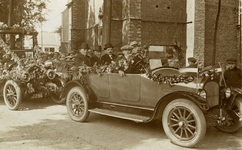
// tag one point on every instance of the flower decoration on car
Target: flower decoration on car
(169, 79)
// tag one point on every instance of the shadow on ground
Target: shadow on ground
(106, 133)
(32, 104)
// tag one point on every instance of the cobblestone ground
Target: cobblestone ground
(43, 125)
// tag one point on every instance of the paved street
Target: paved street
(42, 125)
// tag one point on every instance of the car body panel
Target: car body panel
(126, 88)
(135, 89)
(99, 84)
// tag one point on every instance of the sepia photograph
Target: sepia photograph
(120, 75)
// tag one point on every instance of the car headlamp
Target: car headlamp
(228, 92)
(202, 93)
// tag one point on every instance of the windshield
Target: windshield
(163, 56)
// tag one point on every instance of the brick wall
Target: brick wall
(227, 43)
(79, 18)
(135, 29)
(163, 22)
(116, 24)
(199, 31)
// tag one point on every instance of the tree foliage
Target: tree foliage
(25, 12)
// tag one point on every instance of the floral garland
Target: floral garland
(170, 79)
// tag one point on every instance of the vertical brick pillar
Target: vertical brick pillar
(116, 24)
(227, 44)
(132, 21)
(79, 18)
(199, 28)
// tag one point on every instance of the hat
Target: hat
(108, 45)
(127, 47)
(134, 43)
(84, 46)
(98, 48)
(231, 60)
(192, 59)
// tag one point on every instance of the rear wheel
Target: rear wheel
(77, 104)
(184, 123)
(231, 122)
(12, 95)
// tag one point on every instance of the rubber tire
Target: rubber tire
(81, 93)
(232, 129)
(199, 117)
(53, 96)
(18, 93)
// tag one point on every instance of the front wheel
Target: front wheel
(12, 95)
(184, 123)
(77, 104)
(231, 122)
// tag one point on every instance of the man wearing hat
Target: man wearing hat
(96, 58)
(82, 57)
(138, 60)
(109, 56)
(125, 61)
(136, 48)
(232, 75)
(192, 62)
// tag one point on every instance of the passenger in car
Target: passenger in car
(192, 62)
(96, 58)
(124, 61)
(233, 75)
(90, 52)
(109, 57)
(138, 61)
(82, 57)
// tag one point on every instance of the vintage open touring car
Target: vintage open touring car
(181, 100)
(23, 73)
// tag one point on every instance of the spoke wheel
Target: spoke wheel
(77, 104)
(184, 123)
(12, 95)
(55, 96)
(231, 122)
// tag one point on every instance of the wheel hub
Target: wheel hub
(182, 123)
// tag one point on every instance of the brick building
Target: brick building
(202, 31)
(190, 24)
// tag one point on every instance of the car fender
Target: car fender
(2, 83)
(70, 85)
(164, 101)
(62, 81)
(236, 92)
(86, 88)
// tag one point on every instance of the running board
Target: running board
(122, 115)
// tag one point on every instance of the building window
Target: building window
(52, 49)
(49, 49)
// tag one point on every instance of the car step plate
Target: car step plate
(123, 115)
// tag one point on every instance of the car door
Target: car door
(124, 89)
(99, 84)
